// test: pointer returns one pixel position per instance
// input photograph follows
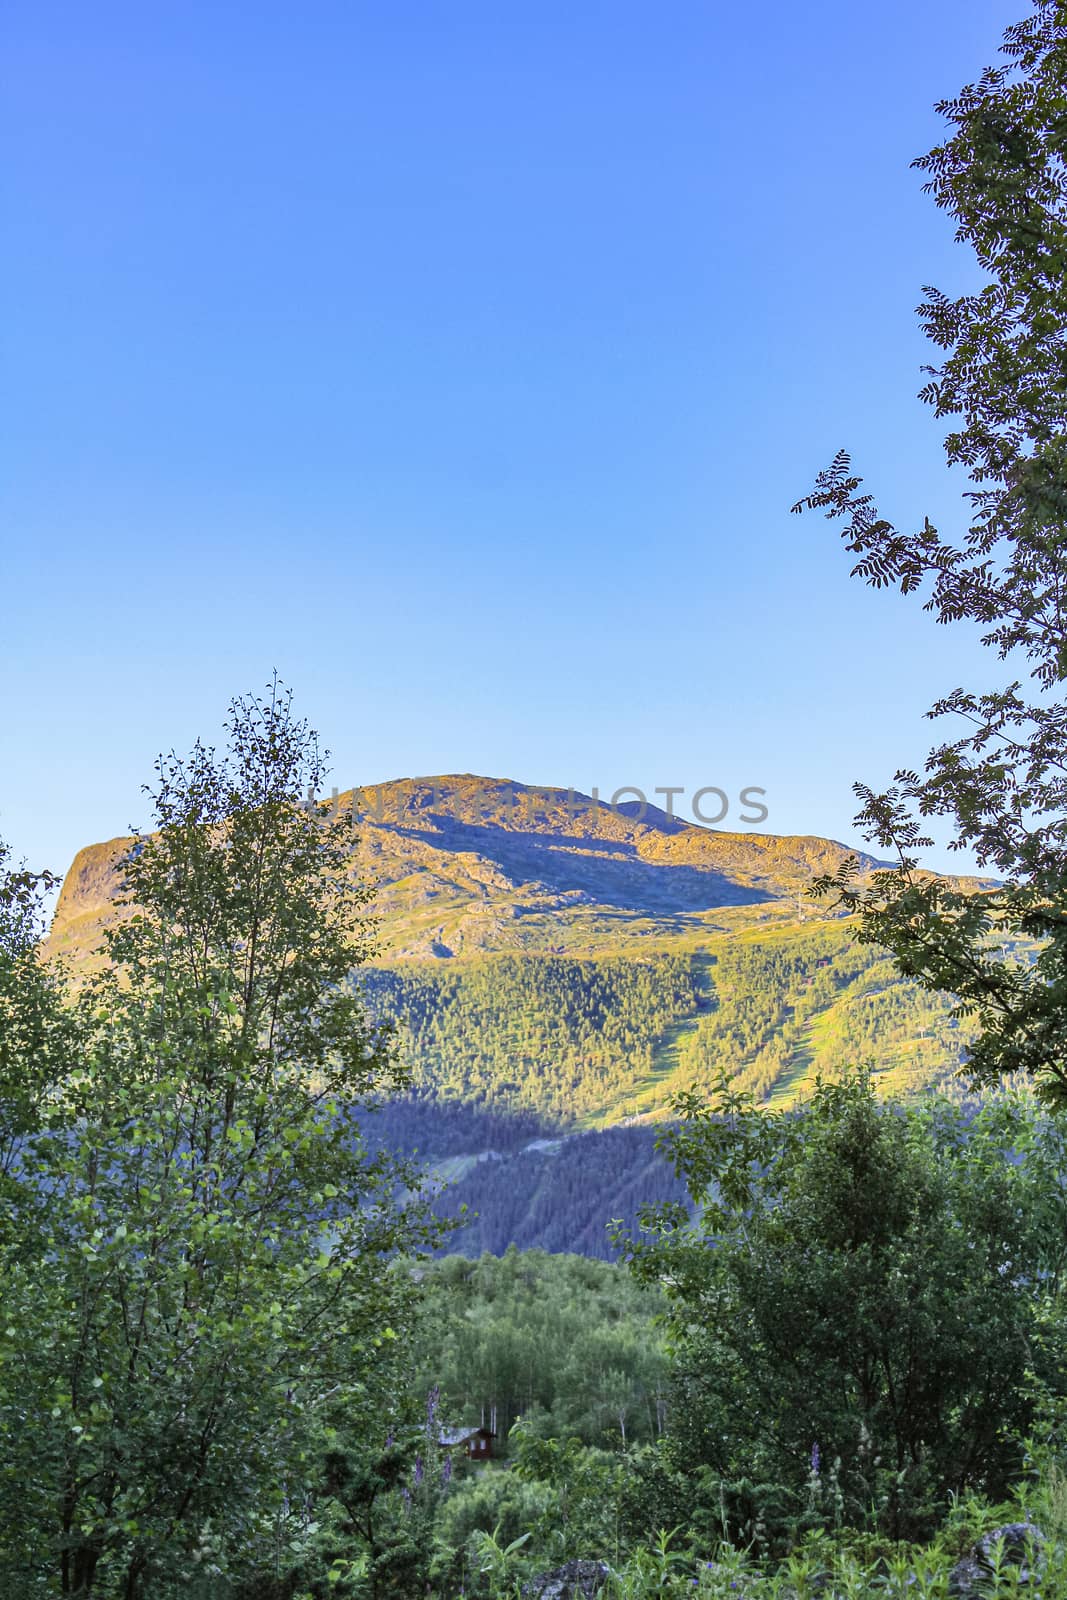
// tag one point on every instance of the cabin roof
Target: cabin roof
(448, 1436)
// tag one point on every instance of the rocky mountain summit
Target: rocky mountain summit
(463, 865)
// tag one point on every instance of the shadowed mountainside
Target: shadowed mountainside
(466, 865)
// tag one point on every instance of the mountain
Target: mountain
(466, 865)
(545, 952)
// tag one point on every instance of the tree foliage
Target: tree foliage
(1001, 777)
(568, 1343)
(859, 1304)
(194, 1261)
(38, 1036)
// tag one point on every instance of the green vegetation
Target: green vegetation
(867, 1287)
(571, 1346)
(808, 1004)
(557, 1035)
(192, 1238)
(584, 1042)
(999, 776)
(871, 1352)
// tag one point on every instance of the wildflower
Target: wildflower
(815, 1459)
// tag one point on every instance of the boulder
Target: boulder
(1020, 1543)
(575, 1580)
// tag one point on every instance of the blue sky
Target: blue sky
(461, 362)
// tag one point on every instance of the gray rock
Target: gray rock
(965, 1579)
(1021, 1545)
(576, 1580)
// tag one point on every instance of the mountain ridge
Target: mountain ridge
(545, 954)
(489, 853)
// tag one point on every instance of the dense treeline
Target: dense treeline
(815, 1005)
(432, 1126)
(561, 1198)
(560, 1036)
(513, 1179)
(569, 1344)
(565, 1039)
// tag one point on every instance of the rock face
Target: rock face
(577, 1580)
(1020, 1545)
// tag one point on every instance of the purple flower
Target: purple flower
(418, 1471)
(446, 1469)
(815, 1459)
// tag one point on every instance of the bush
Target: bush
(856, 1312)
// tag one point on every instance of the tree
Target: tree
(856, 1310)
(1001, 780)
(39, 1039)
(204, 1282)
(38, 1035)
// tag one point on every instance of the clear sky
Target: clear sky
(461, 361)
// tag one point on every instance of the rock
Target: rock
(1020, 1544)
(576, 1580)
(965, 1578)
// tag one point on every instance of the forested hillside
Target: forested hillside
(553, 967)
(563, 1036)
(547, 955)
(593, 1041)
(560, 1195)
